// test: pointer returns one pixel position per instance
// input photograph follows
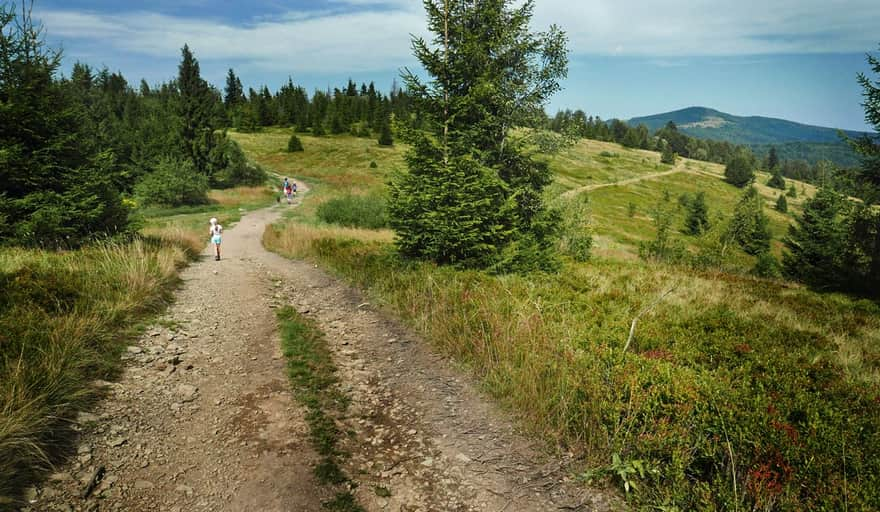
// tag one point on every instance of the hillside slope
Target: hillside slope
(793, 140)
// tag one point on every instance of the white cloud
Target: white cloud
(364, 35)
(676, 28)
(352, 41)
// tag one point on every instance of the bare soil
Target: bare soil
(203, 417)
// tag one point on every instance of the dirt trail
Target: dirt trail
(679, 167)
(203, 417)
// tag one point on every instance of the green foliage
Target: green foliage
(64, 319)
(173, 183)
(668, 156)
(575, 238)
(749, 226)
(232, 167)
(631, 209)
(385, 138)
(313, 376)
(294, 144)
(739, 171)
(814, 244)
(663, 247)
(766, 265)
(792, 192)
(58, 188)
(868, 147)
(776, 181)
(448, 212)
(482, 85)
(835, 245)
(781, 204)
(355, 211)
(772, 159)
(697, 220)
(373, 164)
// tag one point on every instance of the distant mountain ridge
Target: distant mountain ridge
(793, 140)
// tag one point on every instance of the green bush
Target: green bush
(233, 168)
(374, 165)
(767, 266)
(173, 183)
(367, 212)
(294, 144)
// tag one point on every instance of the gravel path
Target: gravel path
(203, 417)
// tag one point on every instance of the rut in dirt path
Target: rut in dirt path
(679, 168)
(203, 418)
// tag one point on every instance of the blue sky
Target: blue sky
(794, 59)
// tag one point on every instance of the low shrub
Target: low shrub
(355, 211)
(173, 183)
(294, 144)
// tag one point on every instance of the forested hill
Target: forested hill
(792, 140)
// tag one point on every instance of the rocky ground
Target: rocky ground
(203, 417)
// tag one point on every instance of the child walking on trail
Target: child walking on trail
(216, 232)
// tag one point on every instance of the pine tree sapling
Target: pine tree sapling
(781, 204)
(792, 192)
(385, 138)
(739, 171)
(668, 156)
(697, 221)
(749, 226)
(294, 144)
(776, 181)
(816, 243)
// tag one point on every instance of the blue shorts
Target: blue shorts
(215, 239)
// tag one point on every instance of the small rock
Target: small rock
(143, 484)
(187, 392)
(115, 442)
(60, 477)
(134, 350)
(86, 417)
(184, 489)
(463, 458)
(428, 462)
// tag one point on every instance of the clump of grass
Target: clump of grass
(313, 375)
(355, 211)
(60, 321)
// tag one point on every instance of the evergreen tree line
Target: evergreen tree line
(75, 149)
(360, 111)
(667, 138)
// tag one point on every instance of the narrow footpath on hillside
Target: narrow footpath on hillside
(204, 418)
(679, 167)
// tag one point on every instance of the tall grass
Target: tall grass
(61, 315)
(730, 379)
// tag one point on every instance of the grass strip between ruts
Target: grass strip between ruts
(313, 377)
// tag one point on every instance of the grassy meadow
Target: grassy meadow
(66, 317)
(735, 393)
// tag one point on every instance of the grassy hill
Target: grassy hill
(792, 140)
(736, 392)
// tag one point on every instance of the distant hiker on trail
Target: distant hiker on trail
(287, 189)
(294, 189)
(216, 231)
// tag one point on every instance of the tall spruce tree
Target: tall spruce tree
(196, 110)
(749, 226)
(697, 221)
(56, 185)
(815, 244)
(472, 193)
(869, 146)
(772, 159)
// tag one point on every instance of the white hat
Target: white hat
(213, 220)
